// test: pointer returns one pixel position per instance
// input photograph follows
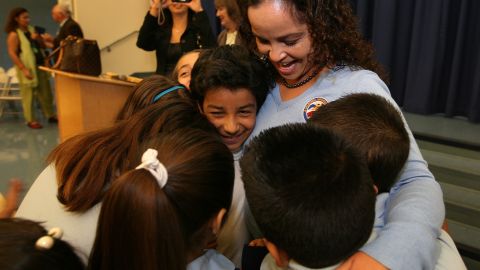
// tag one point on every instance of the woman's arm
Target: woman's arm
(148, 32)
(11, 199)
(414, 210)
(413, 216)
(13, 44)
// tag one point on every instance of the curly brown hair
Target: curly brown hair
(334, 31)
(11, 24)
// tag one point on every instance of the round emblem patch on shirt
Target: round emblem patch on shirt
(312, 106)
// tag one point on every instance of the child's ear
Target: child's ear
(218, 220)
(281, 257)
(375, 188)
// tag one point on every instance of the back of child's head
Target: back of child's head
(26, 245)
(86, 164)
(375, 127)
(310, 193)
(232, 67)
(154, 222)
(149, 91)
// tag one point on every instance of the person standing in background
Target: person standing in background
(25, 48)
(62, 15)
(229, 15)
(172, 29)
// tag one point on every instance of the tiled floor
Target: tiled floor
(23, 150)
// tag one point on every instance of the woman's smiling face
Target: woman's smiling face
(280, 36)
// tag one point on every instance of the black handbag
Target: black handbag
(78, 55)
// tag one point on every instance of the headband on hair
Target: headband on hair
(46, 242)
(166, 91)
(151, 163)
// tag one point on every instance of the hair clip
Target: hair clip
(151, 163)
(166, 91)
(46, 242)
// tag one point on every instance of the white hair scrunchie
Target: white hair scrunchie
(46, 242)
(151, 163)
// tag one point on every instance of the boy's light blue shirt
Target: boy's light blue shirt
(414, 210)
(211, 260)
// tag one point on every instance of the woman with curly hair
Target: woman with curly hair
(316, 55)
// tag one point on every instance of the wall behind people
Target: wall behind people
(40, 16)
(110, 20)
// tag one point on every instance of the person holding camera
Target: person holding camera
(26, 49)
(172, 28)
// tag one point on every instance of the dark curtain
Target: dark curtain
(209, 7)
(431, 49)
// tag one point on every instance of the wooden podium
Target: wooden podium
(86, 103)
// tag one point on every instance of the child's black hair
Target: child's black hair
(310, 193)
(375, 127)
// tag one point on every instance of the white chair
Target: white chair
(12, 73)
(9, 89)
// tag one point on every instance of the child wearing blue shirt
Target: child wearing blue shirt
(229, 85)
(311, 194)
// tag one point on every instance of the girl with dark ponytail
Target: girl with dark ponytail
(163, 214)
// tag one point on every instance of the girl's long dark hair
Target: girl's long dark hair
(144, 226)
(87, 164)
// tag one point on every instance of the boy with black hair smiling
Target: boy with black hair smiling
(311, 194)
(229, 85)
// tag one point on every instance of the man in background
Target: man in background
(62, 15)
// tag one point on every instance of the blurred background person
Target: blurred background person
(229, 15)
(172, 29)
(62, 15)
(26, 49)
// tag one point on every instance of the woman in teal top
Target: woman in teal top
(25, 50)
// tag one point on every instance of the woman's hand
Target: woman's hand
(27, 73)
(155, 6)
(36, 36)
(47, 37)
(195, 6)
(48, 40)
(12, 198)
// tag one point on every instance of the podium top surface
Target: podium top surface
(86, 77)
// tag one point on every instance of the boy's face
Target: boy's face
(232, 112)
